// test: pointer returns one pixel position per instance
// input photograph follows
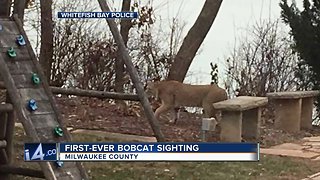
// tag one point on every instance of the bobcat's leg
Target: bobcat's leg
(166, 105)
(177, 114)
(208, 110)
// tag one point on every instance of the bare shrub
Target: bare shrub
(262, 62)
(84, 50)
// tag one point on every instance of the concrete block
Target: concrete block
(292, 94)
(306, 113)
(289, 146)
(251, 123)
(208, 124)
(288, 114)
(313, 139)
(231, 126)
(291, 153)
(241, 103)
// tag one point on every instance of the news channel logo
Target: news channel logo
(40, 151)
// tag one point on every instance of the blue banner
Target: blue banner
(40, 151)
(158, 147)
(108, 15)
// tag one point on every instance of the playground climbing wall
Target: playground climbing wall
(31, 97)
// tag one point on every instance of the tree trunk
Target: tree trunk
(154, 123)
(46, 49)
(193, 40)
(125, 26)
(5, 8)
(18, 8)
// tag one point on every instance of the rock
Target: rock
(315, 138)
(287, 152)
(289, 146)
(316, 159)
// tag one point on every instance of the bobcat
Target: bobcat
(174, 94)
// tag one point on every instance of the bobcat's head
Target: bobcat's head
(151, 88)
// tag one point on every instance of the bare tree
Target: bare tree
(19, 6)
(262, 62)
(85, 54)
(83, 57)
(46, 49)
(193, 40)
(5, 7)
(134, 75)
(125, 26)
(153, 48)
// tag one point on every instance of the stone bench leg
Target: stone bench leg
(306, 113)
(231, 125)
(288, 114)
(251, 123)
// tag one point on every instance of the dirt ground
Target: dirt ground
(97, 114)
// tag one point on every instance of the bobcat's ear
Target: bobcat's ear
(157, 78)
(149, 85)
(148, 82)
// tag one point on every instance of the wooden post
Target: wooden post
(18, 8)
(7, 133)
(5, 8)
(96, 94)
(5, 160)
(3, 125)
(21, 171)
(10, 132)
(86, 93)
(133, 74)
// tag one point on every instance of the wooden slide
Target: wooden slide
(26, 84)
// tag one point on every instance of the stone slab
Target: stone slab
(241, 103)
(312, 143)
(125, 137)
(314, 139)
(291, 153)
(315, 176)
(316, 159)
(292, 94)
(289, 146)
(312, 149)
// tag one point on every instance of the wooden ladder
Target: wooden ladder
(16, 72)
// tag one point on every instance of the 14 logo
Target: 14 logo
(37, 155)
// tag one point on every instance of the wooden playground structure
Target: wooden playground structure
(30, 98)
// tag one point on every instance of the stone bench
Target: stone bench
(240, 116)
(293, 109)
